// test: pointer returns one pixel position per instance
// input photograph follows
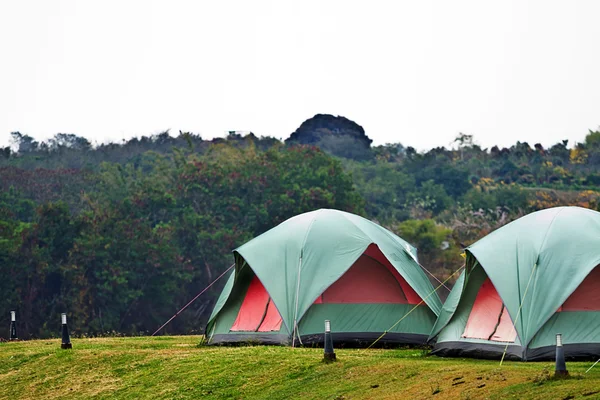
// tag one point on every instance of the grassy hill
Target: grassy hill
(178, 368)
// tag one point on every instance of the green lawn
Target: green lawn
(177, 368)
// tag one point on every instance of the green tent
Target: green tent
(525, 283)
(325, 265)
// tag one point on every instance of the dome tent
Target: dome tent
(324, 264)
(523, 284)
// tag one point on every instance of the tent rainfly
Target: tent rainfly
(325, 265)
(523, 284)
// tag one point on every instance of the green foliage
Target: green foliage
(344, 146)
(385, 188)
(152, 233)
(434, 244)
(122, 235)
(592, 140)
(511, 197)
(429, 197)
(436, 166)
(425, 234)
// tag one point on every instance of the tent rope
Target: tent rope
(593, 365)
(414, 308)
(434, 277)
(194, 299)
(519, 311)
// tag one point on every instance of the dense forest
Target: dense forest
(121, 235)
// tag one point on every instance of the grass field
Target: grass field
(178, 368)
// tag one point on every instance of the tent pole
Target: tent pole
(518, 315)
(295, 331)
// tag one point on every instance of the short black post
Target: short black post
(329, 354)
(13, 325)
(561, 367)
(66, 340)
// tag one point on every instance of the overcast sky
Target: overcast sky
(415, 72)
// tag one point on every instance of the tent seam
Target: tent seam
(299, 317)
(525, 343)
(548, 231)
(296, 330)
(597, 264)
(324, 290)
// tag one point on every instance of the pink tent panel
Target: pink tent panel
(587, 296)
(489, 319)
(367, 281)
(411, 296)
(272, 320)
(253, 308)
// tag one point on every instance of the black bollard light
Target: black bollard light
(13, 325)
(66, 340)
(329, 354)
(561, 367)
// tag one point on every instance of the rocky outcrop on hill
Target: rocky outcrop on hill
(337, 135)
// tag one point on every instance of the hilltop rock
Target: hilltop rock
(336, 135)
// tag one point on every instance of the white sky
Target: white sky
(414, 72)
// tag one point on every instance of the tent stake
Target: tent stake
(328, 353)
(13, 326)
(561, 367)
(66, 340)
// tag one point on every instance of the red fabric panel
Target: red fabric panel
(367, 281)
(319, 300)
(253, 308)
(487, 310)
(272, 321)
(587, 296)
(411, 296)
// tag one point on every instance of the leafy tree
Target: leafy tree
(463, 140)
(428, 200)
(24, 143)
(385, 188)
(121, 235)
(62, 141)
(488, 196)
(436, 248)
(592, 140)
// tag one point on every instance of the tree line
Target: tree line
(121, 236)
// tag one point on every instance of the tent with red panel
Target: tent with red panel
(325, 265)
(524, 283)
